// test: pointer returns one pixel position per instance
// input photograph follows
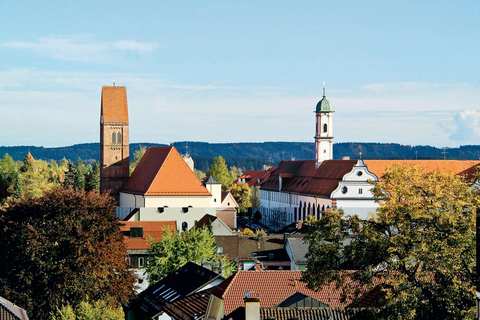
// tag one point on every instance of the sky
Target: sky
(403, 72)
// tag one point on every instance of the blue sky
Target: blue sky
(395, 71)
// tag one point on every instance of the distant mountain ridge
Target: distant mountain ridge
(253, 155)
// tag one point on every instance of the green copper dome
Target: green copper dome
(324, 105)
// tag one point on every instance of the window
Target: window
(114, 137)
(119, 137)
(360, 191)
(324, 127)
(184, 226)
(359, 173)
(344, 189)
(141, 262)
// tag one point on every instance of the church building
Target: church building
(163, 186)
(297, 189)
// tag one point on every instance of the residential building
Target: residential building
(254, 179)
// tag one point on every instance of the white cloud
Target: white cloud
(81, 48)
(466, 128)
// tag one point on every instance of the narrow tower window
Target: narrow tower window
(119, 137)
(114, 137)
(324, 127)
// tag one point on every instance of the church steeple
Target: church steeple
(324, 130)
(114, 140)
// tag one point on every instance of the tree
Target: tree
(9, 179)
(220, 172)
(36, 177)
(422, 244)
(92, 178)
(62, 248)
(90, 311)
(137, 155)
(242, 194)
(200, 174)
(236, 172)
(175, 250)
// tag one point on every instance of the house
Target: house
(187, 280)
(9, 311)
(164, 188)
(254, 179)
(266, 252)
(136, 235)
(275, 288)
(219, 228)
(297, 250)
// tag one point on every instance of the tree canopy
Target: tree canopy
(422, 243)
(242, 194)
(62, 248)
(176, 249)
(220, 172)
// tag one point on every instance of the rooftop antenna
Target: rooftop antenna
(114, 83)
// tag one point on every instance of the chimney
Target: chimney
(252, 308)
(258, 266)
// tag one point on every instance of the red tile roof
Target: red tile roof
(275, 286)
(114, 104)
(193, 306)
(162, 171)
(461, 167)
(153, 229)
(252, 177)
(301, 176)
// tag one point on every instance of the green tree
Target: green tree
(99, 310)
(9, 179)
(36, 177)
(236, 172)
(220, 172)
(200, 174)
(242, 194)
(137, 155)
(92, 178)
(62, 248)
(422, 243)
(175, 250)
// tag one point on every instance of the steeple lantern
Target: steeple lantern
(324, 130)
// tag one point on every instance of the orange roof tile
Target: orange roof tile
(162, 171)
(461, 167)
(114, 104)
(275, 286)
(153, 229)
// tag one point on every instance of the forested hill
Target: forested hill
(254, 155)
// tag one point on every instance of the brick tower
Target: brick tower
(114, 143)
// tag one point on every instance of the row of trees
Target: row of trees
(30, 178)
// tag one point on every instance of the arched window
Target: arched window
(119, 137)
(324, 127)
(184, 226)
(114, 137)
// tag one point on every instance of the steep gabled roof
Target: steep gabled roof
(153, 229)
(302, 177)
(185, 281)
(255, 177)
(161, 172)
(274, 286)
(465, 168)
(114, 107)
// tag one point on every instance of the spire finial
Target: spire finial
(360, 155)
(324, 89)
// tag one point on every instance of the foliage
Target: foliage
(92, 178)
(36, 177)
(10, 187)
(175, 250)
(136, 158)
(69, 247)
(220, 172)
(422, 243)
(247, 232)
(200, 174)
(99, 310)
(236, 172)
(242, 194)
